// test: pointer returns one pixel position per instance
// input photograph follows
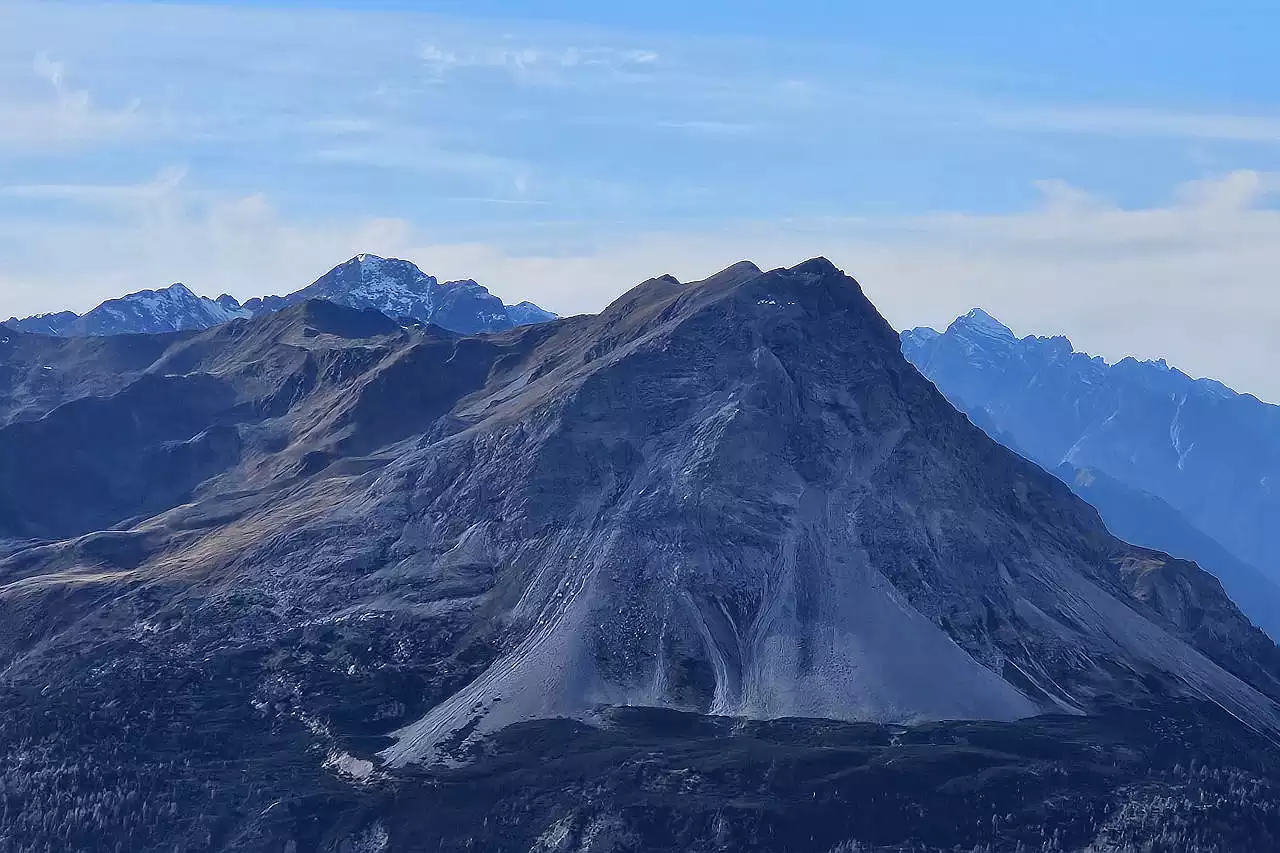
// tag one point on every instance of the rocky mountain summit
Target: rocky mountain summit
(396, 288)
(1197, 461)
(320, 580)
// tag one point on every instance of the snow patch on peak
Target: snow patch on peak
(980, 322)
(395, 287)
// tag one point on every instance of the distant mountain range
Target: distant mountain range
(397, 288)
(1185, 465)
(170, 309)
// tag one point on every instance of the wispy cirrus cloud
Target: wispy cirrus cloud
(162, 187)
(405, 155)
(61, 113)
(529, 63)
(1139, 122)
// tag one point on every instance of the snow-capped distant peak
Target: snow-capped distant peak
(980, 322)
(392, 286)
(169, 309)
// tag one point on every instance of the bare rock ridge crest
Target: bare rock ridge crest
(732, 496)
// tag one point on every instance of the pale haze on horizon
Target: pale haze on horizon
(1122, 196)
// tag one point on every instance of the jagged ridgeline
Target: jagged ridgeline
(1181, 464)
(317, 580)
(396, 288)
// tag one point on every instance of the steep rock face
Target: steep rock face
(469, 308)
(1212, 455)
(733, 496)
(746, 502)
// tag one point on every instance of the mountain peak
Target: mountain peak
(175, 291)
(168, 309)
(820, 265)
(981, 322)
(741, 268)
(527, 314)
(395, 287)
(787, 422)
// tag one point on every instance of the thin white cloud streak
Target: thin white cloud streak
(1136, 122)
(535, 62)
(61, 113)
(158, 189)
(406, 155)
(711, 127)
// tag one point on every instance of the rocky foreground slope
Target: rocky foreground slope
(279, 585)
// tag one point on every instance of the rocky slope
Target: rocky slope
(1144, 519)
(318, 550)
(396, 288)
(1210, 454)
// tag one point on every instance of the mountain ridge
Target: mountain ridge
(393, 286)
(1207, 451)
(171, 309)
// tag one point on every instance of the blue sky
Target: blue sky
(1106, 170)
